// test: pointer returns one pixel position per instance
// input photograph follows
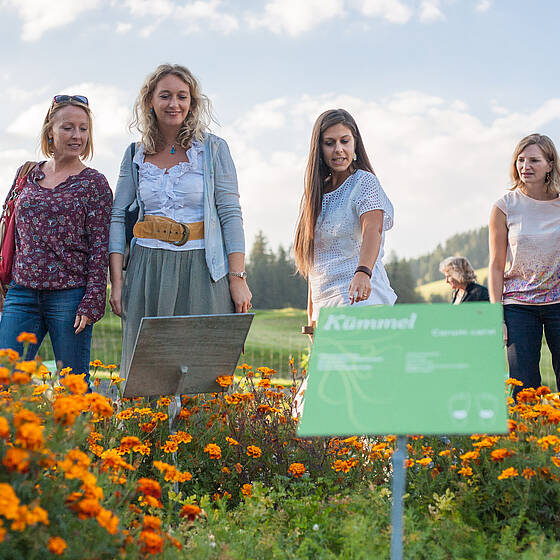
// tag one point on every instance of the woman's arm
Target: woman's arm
(498, 253)
(240, 293)
(310, 320)
(116, 276)
(372, 231)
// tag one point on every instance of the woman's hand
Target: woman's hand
(81, 322)
(360, 287)
(115, 298)
(240, 294)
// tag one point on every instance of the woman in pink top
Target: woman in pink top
(525, 232)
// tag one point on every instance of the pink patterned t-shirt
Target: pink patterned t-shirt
(62, 237)
(533, 274)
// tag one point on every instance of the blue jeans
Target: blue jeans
(525, 324)
(42, 311)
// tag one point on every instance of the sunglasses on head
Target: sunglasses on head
(67, 98)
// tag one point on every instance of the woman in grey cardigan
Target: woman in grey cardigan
(187, 256)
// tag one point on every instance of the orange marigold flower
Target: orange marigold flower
(224, 380)
(151, 523)
(181, 437)
(516, 382)
(30, 436)
(548, 441)
(245, 367)
(21, 378)
(66, 408)
(232, 441)
(149, 487)
(96, 363)
(108, 520)
(40, 389)
(9, 502)
(29, 337)
(465, 471)
(16, 459)
(100, 405)
(238, 468)
(57, 545)
(343, 466)
(543, 390)
(470, 456)
(27, 366)
(4, 428)
(264, 383)
(508, 473)
(190, 511)
(408, 463)
(425, 461)
(266, 371)
(75, 383)
(170, 447)
(445, 453)
(500, 454)
(254, 451)
(4, 376)
(247, 490)
(528, 473)
(225, 470)
(12, 355)
(555, 460)
(297, 470)
(163, 401)
(213, 450)
(152, 543)
(128, 442)
(74, 464)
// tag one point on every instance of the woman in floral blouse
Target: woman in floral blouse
(62, 230)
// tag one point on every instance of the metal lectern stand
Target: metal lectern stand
(184, 355)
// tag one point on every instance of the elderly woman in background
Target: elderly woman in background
(524, 229)
(459, 274)
(62, 217)
(188, 255)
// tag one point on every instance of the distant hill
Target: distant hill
(472, 244)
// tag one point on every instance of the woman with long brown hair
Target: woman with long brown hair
(344, 214)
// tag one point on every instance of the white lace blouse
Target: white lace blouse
(175, 193)
(338, 239)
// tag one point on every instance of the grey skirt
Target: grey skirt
(162, 283)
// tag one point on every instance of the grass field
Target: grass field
(273, 338)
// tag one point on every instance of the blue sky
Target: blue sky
(442, 91)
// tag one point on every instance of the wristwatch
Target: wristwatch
(239, 274)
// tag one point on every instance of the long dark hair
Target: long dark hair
(316, 175)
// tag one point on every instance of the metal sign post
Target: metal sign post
(397, 510)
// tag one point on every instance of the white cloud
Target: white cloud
(393, 11)
(295, 17)
(123, 27)
(430, 11)
(39, 16)
(483, 5)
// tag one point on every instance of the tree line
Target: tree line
(275, 284)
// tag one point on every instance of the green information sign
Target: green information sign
(407, 369)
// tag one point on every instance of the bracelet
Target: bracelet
(307, 329)
(364, 269)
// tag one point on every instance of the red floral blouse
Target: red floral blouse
(62, 237)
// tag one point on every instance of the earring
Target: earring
(50, 140)
(152, 112)
(355, 157)
(547, 177)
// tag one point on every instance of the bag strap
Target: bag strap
(26, 168)
(22, 172)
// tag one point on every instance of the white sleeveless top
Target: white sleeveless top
(533, 274)
(176, 193)
(338, 239)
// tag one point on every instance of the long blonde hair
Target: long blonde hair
(316, 174)
(144, 119)
(552, 182)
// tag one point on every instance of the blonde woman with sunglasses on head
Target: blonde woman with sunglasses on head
(187, 256)
(62, 214)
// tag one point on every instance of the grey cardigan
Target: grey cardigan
(223, 222)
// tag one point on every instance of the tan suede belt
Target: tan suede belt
(166, 229)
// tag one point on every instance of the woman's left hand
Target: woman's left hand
(360, 287)
(81, 322)
(240, 294)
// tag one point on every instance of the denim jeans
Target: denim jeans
(42, 311)
(525, 324)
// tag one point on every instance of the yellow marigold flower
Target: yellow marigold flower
(343, 466)
(528, 473)
(16, 459)
(445, 453)
(500, 454)
(231, 441)
(126, 414)
(116, 380)
(170, 447)
(247, 490)
(425, 461)
(548, 441)
(75, 383)
(40, 389)
(190, 511)
(28, 337)
(57, 545)
(465, 471)
(4, 428)
(470, 456)
(108, 520)
(486, 442)
(297, 470)
(181, 437)
(508, 473)
(556, 461)
(96, 363)
(254, 451)
(224, 380)
(266, 371)
(152, 543)
(516, 382)
(213, 450)
(27, 367)
(163, 401)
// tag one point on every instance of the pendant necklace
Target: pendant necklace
(172, 149)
